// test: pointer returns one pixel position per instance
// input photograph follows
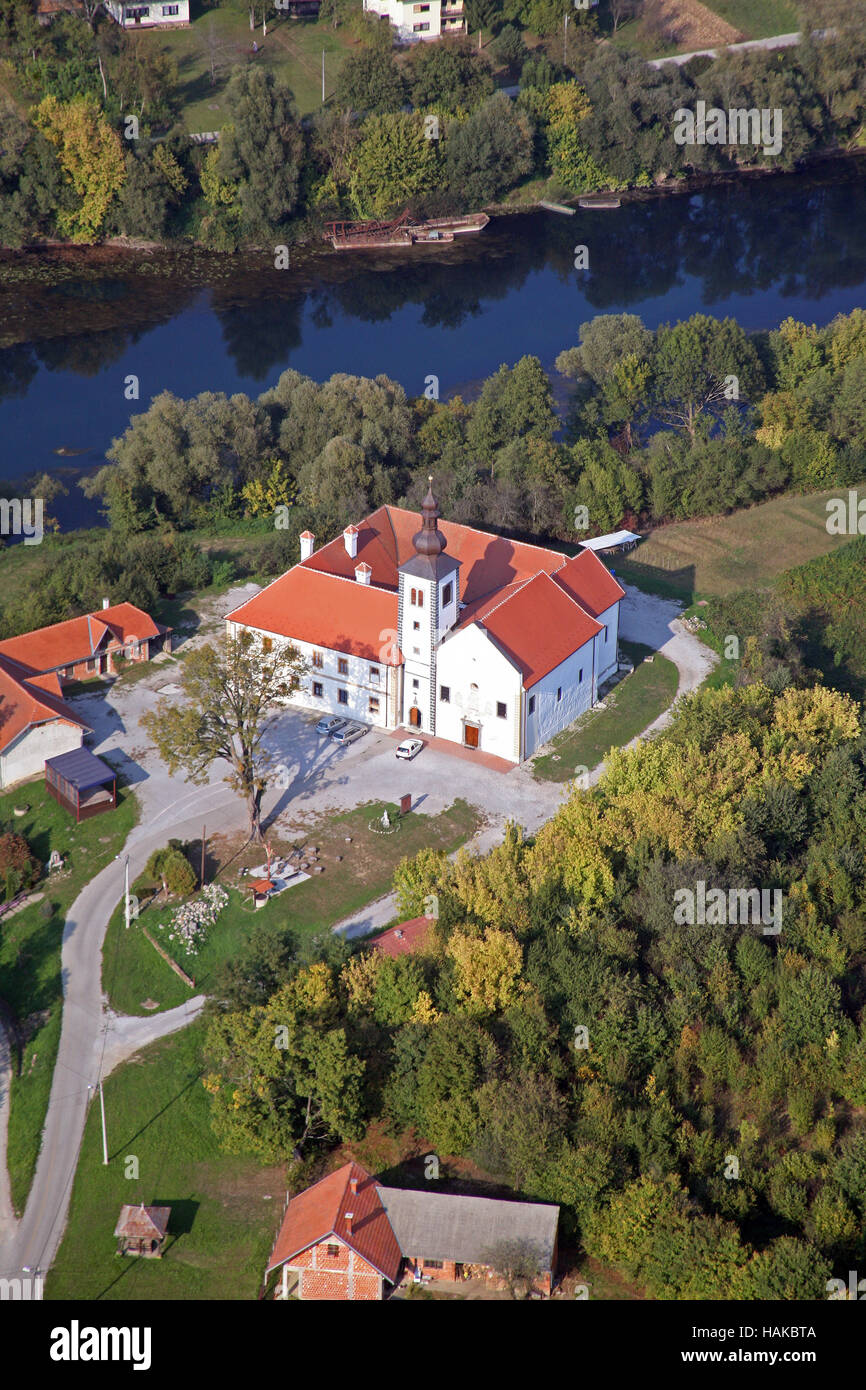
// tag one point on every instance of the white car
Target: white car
(409, 748)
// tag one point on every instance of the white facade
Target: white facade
(606, 644)
(427, 610)
(25, 756)
(560, 697)
(484, 692)
(141, 15)
(338, 683)
(415, 20)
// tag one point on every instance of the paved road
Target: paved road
(777, 41)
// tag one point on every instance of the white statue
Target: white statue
(386, 824)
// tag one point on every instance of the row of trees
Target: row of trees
(693, 419)
(600, 118)
(562, 1031)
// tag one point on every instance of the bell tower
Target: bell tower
(428, 599)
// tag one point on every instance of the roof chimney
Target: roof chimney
(350, 537)
(106, 603)
(353, 1186)
(350, 1216)
(363, 573)
(308, 540)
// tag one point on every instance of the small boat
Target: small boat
(401, 232)
(557, 207)
(593, 203)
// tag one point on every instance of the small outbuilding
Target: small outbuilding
(142, 1231)
(81, 783)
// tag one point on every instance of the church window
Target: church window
(317, 690)
(416, 627)
(501, 711)
(420, 598)
(343, 666)
(343, 697)
(414, 685)
(374, 675)
(558, 693)
(413, 596)
(532, 704)
(318, 660)
(447, 595)
(445, 694)
(267, 645)
(580, 676)
(374, 704)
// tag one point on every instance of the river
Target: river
(759, 250)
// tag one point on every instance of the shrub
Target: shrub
(19, 869)
(173, 869)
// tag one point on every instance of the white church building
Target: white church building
(444, 630)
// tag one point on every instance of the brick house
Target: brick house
(349, 1238)
(81, 648)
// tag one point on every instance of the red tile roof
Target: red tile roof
(26, 700)
(404, 938)
(143, 1223)
(589, 582)
(320, 1212)
(64, 644)
(537, 604)
(538, 627)
(327, 611)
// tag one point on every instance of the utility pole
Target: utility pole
(104, 1135)
(323, 76)
(564, 38)
(126, 893)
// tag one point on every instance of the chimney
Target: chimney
(350, 537)
(362, 573)
(308, 540)
(399, 933)
(350, 1216)
(353, 1186)
(106, 603)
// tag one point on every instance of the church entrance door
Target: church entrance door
(415, 717)
(470, 735)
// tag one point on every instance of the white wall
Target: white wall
(605, 651)
(404, 17)
(550, 714)
(25, 756)
(358, 684)
(123, 12)
(469, 657)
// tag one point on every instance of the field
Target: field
(631, 707)
(225, 1209)
(720, 554)
(133, 972)
(691, 25)
(218, 39)
(30, 942)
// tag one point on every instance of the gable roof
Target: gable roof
(76, 639)
(320, 1211)
(402, 939)
(436, 1226)
(327, 611)
(538, 627)
(26, 699)
(589, 582)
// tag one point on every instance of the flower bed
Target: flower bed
(189, 923)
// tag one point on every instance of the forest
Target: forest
(692, 1095)
(96, 147)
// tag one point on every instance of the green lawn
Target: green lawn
(631, 707)
(219, 39)
(721, 554)
(134, 973)
(757, 19)
(225, 1209)
(30, 943)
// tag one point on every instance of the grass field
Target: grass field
(720, 554)
(631, 707)
(757, 19)
(753, 19)
(30, 943)
(133, 972)
(219, 39)
(225, 1210)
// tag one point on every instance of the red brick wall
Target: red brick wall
(344, 1276)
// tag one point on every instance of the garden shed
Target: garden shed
(81, 783)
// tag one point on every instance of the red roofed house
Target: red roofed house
(35, 722)
(346, 1237)
(403, 939)
(445, 630)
